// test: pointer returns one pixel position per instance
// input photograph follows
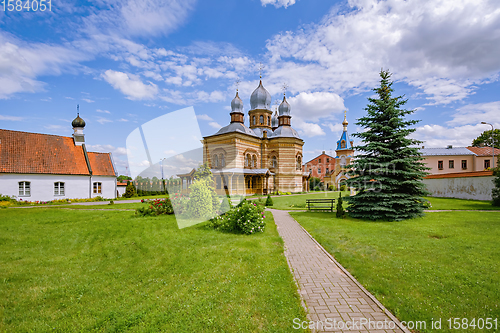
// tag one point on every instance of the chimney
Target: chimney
(449, 147)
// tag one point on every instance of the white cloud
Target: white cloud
(11, 118)
(476, 113)
(307, 129)
(437, 136)
(204, 117)
(312, 106)
(117, 151)
(278, 3)
(130, 85)
(103, 111)
(21, 63)
(443, 47)
(102, 120)
(88, 100)
(138, 17)
(215, 125)
(123, 120)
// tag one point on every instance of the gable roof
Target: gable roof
(483, 151)
(35, 153)
(319, 156)
(445, 151)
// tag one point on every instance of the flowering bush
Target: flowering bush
(247, 218)
(156, 207)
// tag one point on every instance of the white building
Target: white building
(43, 167)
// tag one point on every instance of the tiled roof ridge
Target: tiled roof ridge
(60, 136)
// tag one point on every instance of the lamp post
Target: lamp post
(492, 144)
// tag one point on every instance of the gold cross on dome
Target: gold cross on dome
(261, 67)
(237, 83)
(345, 113)
(284, 87)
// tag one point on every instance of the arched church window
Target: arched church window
(254, 161)
(268, 121)
(342, 144)
(222, 160)
(261, 120)
(216, 161)
(274, 162)
(247, 161)
(253, 120)
(299, 163)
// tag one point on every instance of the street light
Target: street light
(492, 144)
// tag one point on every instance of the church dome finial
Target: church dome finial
(78, 122)
(284, 108)
(237, 104)
(260, 98)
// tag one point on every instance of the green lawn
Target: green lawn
(298, 202)
(444, 265)
(66, 271)
(460, 204)
(132, 205)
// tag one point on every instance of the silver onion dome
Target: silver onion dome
(284, 108)
(260, 98)
(237, 104)
(274, 120)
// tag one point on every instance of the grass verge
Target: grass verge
(76, 270)
(444, 265)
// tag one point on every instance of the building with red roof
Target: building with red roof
(43, 167)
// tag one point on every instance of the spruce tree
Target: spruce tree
(388, 169)
(340, 207)
(129, 190)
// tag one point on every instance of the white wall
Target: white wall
(478, 188)
(121, 190)
(42, 186)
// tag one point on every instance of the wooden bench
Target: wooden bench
(320, 204)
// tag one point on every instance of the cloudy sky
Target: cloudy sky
(126, 62)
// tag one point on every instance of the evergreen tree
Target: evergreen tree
(340, 207)
(269, 201)
(388, 169)
(129, 190)
(495, 193)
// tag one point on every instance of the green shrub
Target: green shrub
(129, 191)
(203, 202)
(269, 201)
(226, 204)
(156, 207)
(343, 187)
(247, 218)
(331, 188)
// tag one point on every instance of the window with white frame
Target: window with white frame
(97, 187)
(58, 188)
(24, 189)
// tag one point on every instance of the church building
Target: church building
(265, 157)
(344, 152)
(43, 167)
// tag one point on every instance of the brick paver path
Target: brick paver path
(328, 290)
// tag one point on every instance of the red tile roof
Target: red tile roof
(24, 152)
(461, 174)
(483, 151)
(101, 164)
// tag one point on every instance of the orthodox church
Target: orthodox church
(265, 157)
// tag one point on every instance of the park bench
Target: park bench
(320, 204)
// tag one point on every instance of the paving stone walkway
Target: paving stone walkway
(329, 291)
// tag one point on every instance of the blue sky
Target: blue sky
(127, 62)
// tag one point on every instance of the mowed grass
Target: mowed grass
(298, 202)
(460, 204)
(444, 265)
(66, 271)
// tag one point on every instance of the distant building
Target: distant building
(43, 167)
(332, 170)
(458, 159)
